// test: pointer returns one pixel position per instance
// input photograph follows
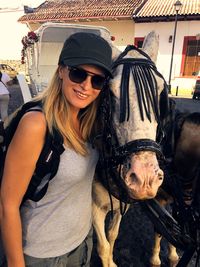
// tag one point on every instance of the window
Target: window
(139, 41)
(191, 56)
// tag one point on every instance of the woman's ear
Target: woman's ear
(61, 72)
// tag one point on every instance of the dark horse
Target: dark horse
(181, 189)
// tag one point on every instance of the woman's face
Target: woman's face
(80, 95)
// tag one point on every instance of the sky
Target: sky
(12, 31)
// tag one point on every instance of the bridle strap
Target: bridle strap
(112, 155)
(119, 154)
(138, 145)
(143, 71)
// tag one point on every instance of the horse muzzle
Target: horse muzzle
(144, 177)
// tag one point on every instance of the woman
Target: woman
(56, 231)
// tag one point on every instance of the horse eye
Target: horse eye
(127, 164)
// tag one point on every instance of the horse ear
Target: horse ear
(151, 45)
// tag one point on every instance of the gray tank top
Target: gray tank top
(61, 220)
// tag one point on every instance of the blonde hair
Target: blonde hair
(57, 113)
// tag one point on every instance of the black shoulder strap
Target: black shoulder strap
(46, 167)
(7, 132)
(48, 162)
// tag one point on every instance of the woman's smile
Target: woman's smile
(80, 95)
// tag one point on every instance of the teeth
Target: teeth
(81, 95)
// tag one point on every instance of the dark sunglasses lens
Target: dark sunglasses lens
(98, 82)
(77, 75)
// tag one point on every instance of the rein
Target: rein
(187, 214)
(112, 155)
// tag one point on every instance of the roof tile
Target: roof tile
(66, 10)
(77, 9)
(153, 8)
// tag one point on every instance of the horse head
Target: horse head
(130, 142)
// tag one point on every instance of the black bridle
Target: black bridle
(112, 155)
(143, 71)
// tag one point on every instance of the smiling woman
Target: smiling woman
(77, 86)
(58, 212)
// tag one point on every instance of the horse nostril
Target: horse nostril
(160, 175)
(133, 177)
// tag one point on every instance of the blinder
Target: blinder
(112, 155)
(143, 71)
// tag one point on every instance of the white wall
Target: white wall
(165, 29)
(125, 31)
(11, 35)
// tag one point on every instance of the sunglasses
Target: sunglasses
(79, 75)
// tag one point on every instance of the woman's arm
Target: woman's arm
(21, 158)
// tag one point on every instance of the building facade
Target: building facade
(130, 21)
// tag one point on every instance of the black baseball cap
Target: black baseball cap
(87, 48)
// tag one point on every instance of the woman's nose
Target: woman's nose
(87, 83)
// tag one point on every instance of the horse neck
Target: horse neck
(186, 167)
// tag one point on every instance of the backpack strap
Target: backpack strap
(49, 158)
(46, 167)
(47, 164)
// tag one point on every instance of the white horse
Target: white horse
(135, 119)
(181, 180)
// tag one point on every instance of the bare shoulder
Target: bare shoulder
(33, 121)
(32, 127)
(22, 155)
